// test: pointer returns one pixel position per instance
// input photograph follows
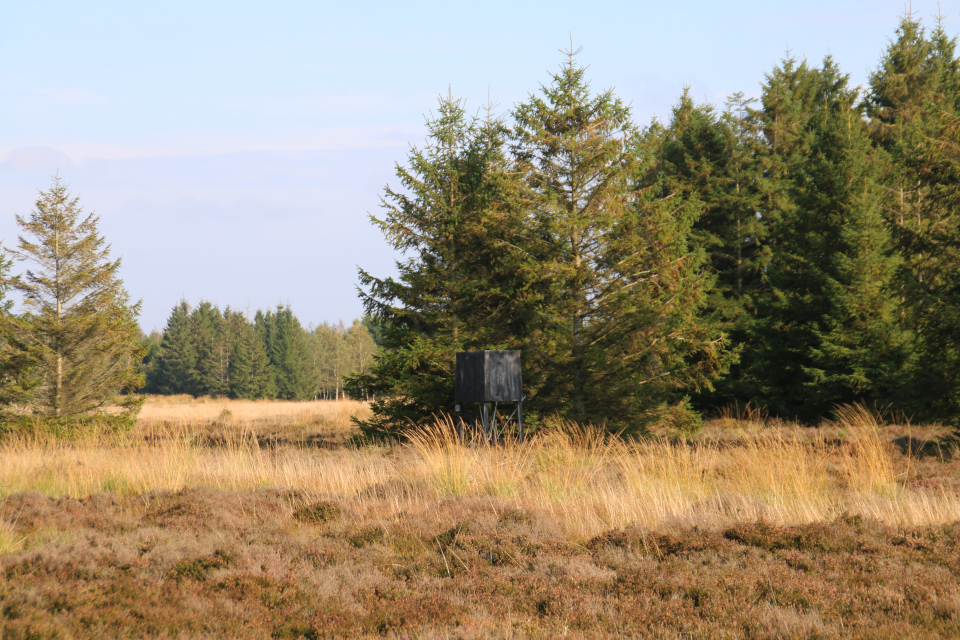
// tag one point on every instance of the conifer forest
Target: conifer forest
(794, 252)
(791, 252)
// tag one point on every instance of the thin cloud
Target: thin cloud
(70, 96)
(217, 143)
(37, 157)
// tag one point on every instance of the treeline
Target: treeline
(794, 252)
(204, 351)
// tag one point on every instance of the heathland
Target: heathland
(230, 518)
(798, 252)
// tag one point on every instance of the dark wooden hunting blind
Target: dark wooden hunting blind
(488, 376)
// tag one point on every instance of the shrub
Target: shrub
(318, 512)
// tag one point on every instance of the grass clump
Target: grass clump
(318, 513)
(366, 536)
(200, 568)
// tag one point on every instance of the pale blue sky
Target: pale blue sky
(234, 149)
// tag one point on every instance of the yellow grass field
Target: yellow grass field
(738, 470)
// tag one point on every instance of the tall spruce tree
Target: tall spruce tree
(830, 330)
(711, 156)
(471, 278)
(288, 349)
(249, 370)
(618, 333)
(79, 330)
(213, 347)
(17, 362)
(148, 364)
(914, 106)
(177, 358)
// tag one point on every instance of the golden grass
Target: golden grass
(162, 413)
(585, 479)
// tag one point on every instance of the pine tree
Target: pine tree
(914, 106)
(79, 329)
(471, 279)
(830, 331)
(213, 347)
(250, 374)
(177, 359)
(619, 334)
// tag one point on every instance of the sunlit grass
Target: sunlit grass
(589, 480)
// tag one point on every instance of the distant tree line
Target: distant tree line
(795, 252)
(204, 351)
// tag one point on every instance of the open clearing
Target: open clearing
(218, 518)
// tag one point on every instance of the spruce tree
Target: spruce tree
(471, 277)
(914, 106)
(177, 359)
(79, 330)
(288, 349)
(213, 346)
(830, 331)
(250, 374)
(618, 334)
(148, 364)
(711, 156)
(17, 362)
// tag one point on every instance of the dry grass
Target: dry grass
(177, 414)
(591, 483)
(784, 476)
(258, 520)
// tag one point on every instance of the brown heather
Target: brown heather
(259, 519)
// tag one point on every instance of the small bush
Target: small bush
(199, 568)
(677, 421)
(515, 516)
(450, 537)
(771, 537)
(69, 429)
(318, 512)
(366, 536)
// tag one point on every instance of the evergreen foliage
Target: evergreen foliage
(206, 352)
(830, 329)
(75, 346)
(176, 360)
(249, 372)
(712, 156)
(913, 104)
(471, 278)
(619, 332)
(213, 343)
(542, 236)
(17, 376)
(288, 350)
(797, 253)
